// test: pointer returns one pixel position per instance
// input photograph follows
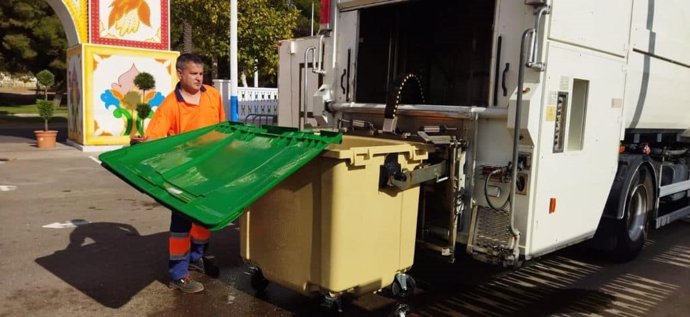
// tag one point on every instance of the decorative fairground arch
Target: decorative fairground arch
(110, 42)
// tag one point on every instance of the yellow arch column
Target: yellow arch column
(110, 42)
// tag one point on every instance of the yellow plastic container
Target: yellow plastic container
(330, 228)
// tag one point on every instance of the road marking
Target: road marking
(678, 256)
(67, 224)
(7, 188)
(95, 159)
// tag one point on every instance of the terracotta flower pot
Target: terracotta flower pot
(45, 139)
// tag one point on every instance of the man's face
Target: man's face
(191, 77)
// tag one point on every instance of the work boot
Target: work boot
(187, 285)
(206, 266)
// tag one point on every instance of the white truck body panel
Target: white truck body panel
(290, 100)
(598, 25)
(579, 179)
(659, 66)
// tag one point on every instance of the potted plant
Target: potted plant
(45, 138)
(144, 81)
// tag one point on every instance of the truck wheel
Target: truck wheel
(631, 231)
(258, 281)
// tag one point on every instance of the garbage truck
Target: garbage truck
(505, 129)
(552, 122)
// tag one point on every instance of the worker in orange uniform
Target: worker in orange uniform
(191, 106)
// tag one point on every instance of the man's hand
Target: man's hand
(137, 139)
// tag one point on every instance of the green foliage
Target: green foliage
(304, 19)
(143, 110)
(261, 24)
(45, 79)
(31, 38)
(45, 111)
(144, 81)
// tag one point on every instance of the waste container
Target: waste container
(211, 174)
(330, 227)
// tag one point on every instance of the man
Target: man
(192, 105)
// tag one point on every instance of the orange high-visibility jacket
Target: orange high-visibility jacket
(175, 115)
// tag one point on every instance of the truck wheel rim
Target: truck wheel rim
(637, 208)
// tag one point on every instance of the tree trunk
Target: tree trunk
(243, 79)
(214, 67)
(187, 37)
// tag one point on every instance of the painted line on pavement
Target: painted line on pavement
(67, 224)
(7, 188)
(95, 159)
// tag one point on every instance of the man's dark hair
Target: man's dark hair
(187, 58)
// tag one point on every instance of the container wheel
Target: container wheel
(331, 305)
(400, 310)
(258, 281)
(403, 285)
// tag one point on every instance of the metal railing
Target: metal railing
(258, 106)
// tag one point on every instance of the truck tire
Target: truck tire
(633, 226)
(632, 196)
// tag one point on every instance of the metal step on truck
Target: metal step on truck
(553, 121)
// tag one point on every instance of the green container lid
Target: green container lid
(211, 174)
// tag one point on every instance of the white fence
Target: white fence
(255, 105)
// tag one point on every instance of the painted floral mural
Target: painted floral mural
(123, 97)
(74, 103)
(131, 23)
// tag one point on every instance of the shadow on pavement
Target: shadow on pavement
(25, 130)
(110, 262)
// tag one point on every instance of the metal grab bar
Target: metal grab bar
(305, 82)
(534, 45)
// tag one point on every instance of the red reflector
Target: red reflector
(552, 205)
(325, 17)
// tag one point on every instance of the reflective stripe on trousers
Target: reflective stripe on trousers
(187, 242)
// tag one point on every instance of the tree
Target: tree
(304, 20)
(261, 24)
(45, 79)
(31, 38)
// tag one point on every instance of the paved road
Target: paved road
(77, 241)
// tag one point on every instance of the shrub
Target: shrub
(45, 111)
(46, 79)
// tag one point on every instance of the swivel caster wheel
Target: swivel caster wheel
(258, 281)
(403, 285)
(332, 305)
(400, 310)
